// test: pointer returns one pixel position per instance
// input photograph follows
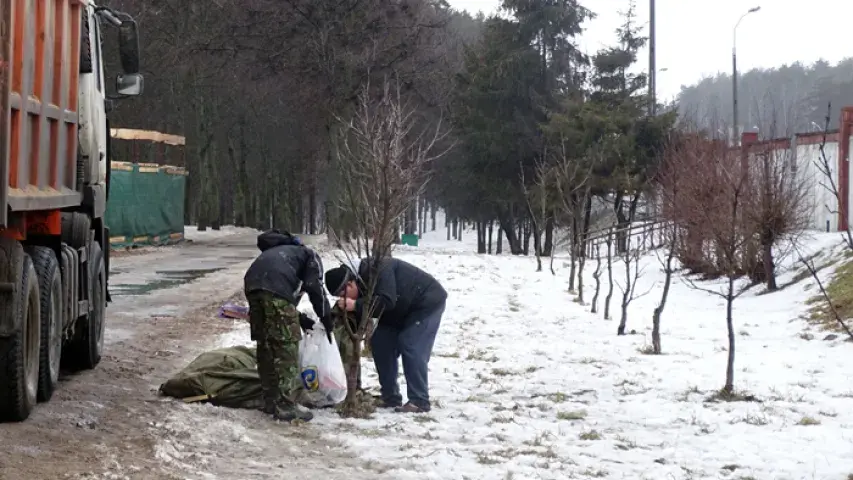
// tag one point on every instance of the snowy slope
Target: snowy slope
(528, 384)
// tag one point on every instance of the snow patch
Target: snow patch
(191, 232)
(526, 383)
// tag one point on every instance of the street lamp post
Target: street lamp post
(735, 131)
(653, 78)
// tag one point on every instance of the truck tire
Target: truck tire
(75, 229)
(19, 354)
(51, 312)
(84, 351)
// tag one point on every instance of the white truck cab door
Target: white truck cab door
(99, 173)
(92, 132)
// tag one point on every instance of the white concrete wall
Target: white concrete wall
(821, 202)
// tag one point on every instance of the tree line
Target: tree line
(791, 97)
(535, 133)
(351, 117)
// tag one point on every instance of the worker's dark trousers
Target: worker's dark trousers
(413, 343)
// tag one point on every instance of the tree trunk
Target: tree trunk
(461, 229)
(581, 263)
(481, 238)
(597, 276)
(730, 363)
(658, 312)
(537, 238)
(456, 229)
(573, 253)
(511, 237)
(395, 230)
(769, 266)
(573, 269)
(447, 225)
(537, 244)
(526, 237)
(624, 219)
(491, 232)
(351, 405)
(626, 294)
(609, 275)
(312, 202)
(421, 217)
(499, 248)
(432, 213)
(410, 225)
(548, 246)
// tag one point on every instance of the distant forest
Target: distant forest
(777, 102)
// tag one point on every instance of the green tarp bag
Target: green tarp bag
(225, 377)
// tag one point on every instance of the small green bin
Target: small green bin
(410, 239)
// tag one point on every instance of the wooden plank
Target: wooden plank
(149, 135)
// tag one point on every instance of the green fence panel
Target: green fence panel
(146, 204)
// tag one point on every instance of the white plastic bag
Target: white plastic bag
(321, 369)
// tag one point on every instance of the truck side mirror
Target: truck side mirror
(130, 84)
(128, 44)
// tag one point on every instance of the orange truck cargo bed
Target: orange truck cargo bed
(39, 75)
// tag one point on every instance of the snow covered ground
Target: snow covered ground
(527, 384)
(191, 232)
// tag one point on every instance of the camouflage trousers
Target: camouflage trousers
(275, 327)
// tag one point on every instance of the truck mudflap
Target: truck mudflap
(105, 248)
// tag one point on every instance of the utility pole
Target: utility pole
(735, 120)
(653, 104)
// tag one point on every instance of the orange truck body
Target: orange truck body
(39, 75)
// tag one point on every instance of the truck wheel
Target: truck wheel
(75, 229)
(19, 354)
(86, 348)
(50, 288)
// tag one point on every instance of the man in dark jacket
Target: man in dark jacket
(273, 284)
(408, 303)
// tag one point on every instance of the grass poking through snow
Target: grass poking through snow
(840, 290)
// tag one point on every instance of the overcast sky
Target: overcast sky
(694, 37)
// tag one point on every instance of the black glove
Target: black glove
(305, 322)
(329, 324)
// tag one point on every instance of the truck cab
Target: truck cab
(54, 164)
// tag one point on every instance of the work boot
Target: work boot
(411, 408)
(380, 403)
(290, 414)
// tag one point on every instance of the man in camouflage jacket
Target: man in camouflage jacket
(273, 284)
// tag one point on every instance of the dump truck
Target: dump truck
(54, 186)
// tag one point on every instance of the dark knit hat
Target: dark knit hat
(336, 278)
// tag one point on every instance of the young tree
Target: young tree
(708, 169)
(384, 160)
(826, 168)
(669, 192)
(777, 210)
(670, 242)
(596, 275)
(630, 257)
(571, 179)
(538, 204)
(609, 243)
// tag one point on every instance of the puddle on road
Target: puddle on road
(168, 279)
